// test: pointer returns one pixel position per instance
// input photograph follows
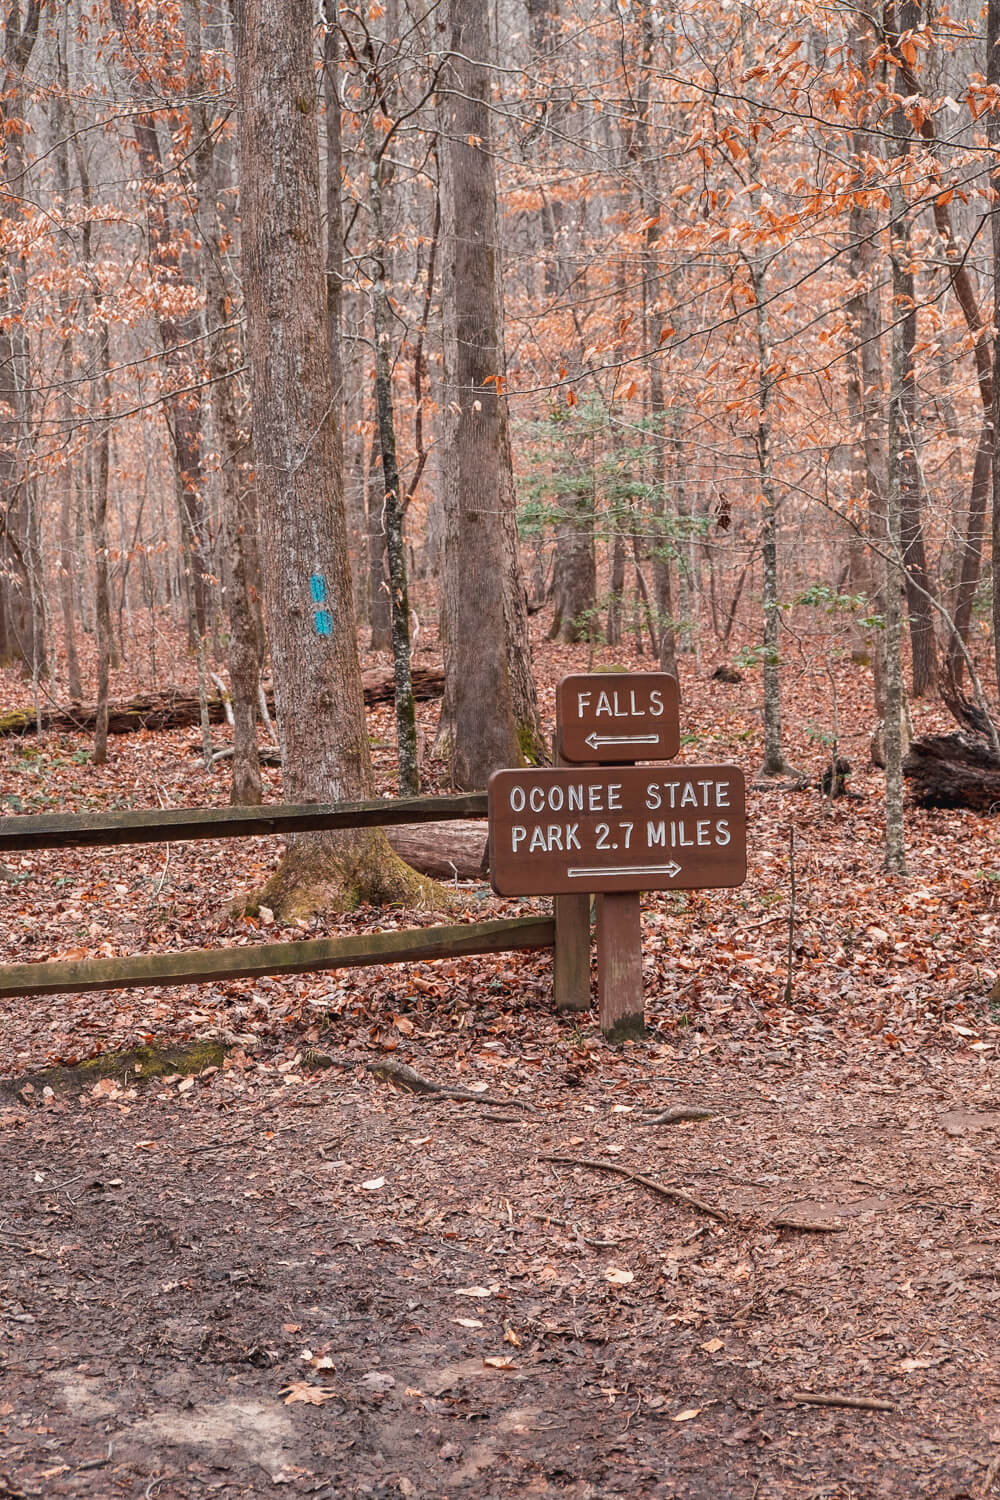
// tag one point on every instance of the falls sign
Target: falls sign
(607, 717)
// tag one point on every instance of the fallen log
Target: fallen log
(953, 770)
(445, 851)
(176, 708)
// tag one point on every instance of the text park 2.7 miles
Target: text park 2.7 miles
(625, 828)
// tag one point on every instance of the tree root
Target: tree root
(721, 1215)
(408, 1081)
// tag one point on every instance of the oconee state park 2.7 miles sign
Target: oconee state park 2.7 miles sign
(626, 828)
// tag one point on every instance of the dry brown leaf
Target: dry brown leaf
(687, 1415)
(618, 1277)
(312, 1395)
(713, 1346)
(500, 1361)
(373, 1184)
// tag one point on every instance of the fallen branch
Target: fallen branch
(678, 1115)
(805, 1226)
(677, 1194)
(835, 1398)
(411, 1082)
(722, 1216)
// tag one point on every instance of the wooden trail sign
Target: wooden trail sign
(616, 717)
(631, 828)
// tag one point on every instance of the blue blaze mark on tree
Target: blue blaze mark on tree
(322, 618)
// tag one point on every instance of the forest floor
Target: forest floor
(268, 1276)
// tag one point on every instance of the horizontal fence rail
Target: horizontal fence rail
(202, 965)
(170, 825)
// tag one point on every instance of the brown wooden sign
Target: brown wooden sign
(617, 716)
(631, 828)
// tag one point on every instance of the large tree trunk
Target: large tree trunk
(484, 725)
(22, 622)
(307, 583)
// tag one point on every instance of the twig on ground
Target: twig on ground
(836, 1398)
(677, 1194)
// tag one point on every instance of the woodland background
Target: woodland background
(437, 350)
(728, 275)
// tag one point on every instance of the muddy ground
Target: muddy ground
(263, 1281)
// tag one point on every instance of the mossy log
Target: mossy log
(175, 708)
(135, 1066)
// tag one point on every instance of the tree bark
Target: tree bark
(489, 718)
(900, 438)
(911, 527)
(993, 129)
(169, 263)
(22, 621)
(307, 583)
(246, 626)
(392, 498)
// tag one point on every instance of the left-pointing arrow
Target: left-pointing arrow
(595, 740)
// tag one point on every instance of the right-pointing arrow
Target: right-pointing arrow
(670, 870)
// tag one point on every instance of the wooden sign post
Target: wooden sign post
(604, 719)
(615, 830)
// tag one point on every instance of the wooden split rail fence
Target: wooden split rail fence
(64, 831)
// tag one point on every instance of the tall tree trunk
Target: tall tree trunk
(964, 287)
(774, 757)
(246, 626)
(307, 581)
(650, 200)
(911, 525)
(22, 621)
(900, 438)
(993, 127)
(865, 384)
(170, 263)
(484, 726)
(392, 502)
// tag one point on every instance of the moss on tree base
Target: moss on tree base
(323, 873)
